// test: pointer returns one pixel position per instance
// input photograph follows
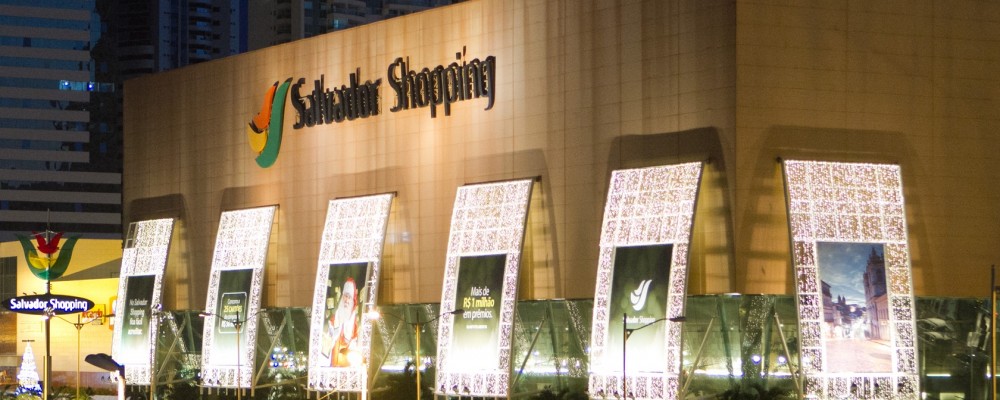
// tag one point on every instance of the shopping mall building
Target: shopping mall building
(799, 125)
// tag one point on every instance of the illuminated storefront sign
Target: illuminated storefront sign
(325, 106)
(39, 304)
(441, 86)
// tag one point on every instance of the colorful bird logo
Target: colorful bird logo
(49, 266)
(47, 246)
(264, 129)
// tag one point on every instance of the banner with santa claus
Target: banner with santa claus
(347, 275)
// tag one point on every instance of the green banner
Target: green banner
(639, 287)
(479, 292)
(230, 316)
(134, 332)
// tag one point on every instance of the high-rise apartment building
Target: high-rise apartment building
(283, 21)
(62, 65)
(154, 36)
(60, 142)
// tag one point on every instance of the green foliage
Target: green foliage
(179, 390)
(69, 393)
(402, 386)
(755, 391)
(563, 393)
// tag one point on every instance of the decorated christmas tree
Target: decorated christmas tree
(27, 378)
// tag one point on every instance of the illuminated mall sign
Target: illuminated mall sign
(440, 86)
(39, 304)
(325, 106)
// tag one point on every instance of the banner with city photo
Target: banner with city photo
(856, 329)
(346, 293)
(230, 316)
(848, 229)
(639, 288)
(478, 293)
(134, 332)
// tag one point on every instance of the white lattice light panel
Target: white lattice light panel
(487, 219)
(851, 203)
(144, 255)
(241, 244)
(645, 206)
(354, 232)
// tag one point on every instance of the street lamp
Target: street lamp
(626, 332)
(47, 316)
(417, 327)
(105, 362)
(238, 324)
(79, 324)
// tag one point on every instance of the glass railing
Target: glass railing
(738, 344)
(954, 347)
(733, 346)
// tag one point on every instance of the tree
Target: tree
(27, 378)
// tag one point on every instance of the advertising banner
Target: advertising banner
(134, 332)
(639, 287)
(136, 309)
(232, 304)
(346, 292)
(480, 280)
(855, 307)
(856, 331)
(230, 311)
(346, 287)
(480, 284)
(641, 274)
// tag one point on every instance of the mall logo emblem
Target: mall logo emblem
(53, 260)
(640, 294)
(264, 130)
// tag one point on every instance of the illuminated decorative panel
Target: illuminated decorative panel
(349, 259)
(848, 225)
(238, 262)
(144, 260)
(647, 227)
(487, 232)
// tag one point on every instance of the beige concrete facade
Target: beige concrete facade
(913, 83)
(585, 88)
